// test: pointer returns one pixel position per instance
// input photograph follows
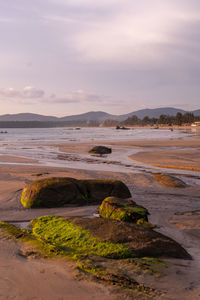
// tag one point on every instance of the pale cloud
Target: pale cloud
(5, 20)
(135, 37)
(89, 3)
(27, 92)
(79, 96)
(30, 93)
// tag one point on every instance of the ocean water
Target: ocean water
(18, 135)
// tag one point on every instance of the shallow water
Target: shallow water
(19, 224)
(17, 135)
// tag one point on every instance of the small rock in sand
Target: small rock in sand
(100, 150)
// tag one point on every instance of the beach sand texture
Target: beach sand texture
(174, 211)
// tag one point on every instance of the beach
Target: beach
(99, 150)
(175, 212)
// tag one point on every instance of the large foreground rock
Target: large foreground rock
(122, 210)
(59, 191)
(142, 240)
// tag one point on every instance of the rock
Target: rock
(142, 240)
(100, 150)
(122, 210)
(59, 191)
(123, 127)
(169, 181)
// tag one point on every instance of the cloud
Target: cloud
(5, 20)
(27, 92)
(31, 93)
(79, 96)
(137, 34)
(82, 96)
(88, 3)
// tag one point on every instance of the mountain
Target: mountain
(102, 116)
(196, 112)
(153, 113)
(27, 117)
(92, 115)
(98, 116)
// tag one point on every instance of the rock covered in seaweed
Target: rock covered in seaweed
(59, 191)
(143, 241)
(100, 150)
(122, 210)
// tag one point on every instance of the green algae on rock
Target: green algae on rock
(104, 237)
(71, 239)
(169, 181)
(59, 191)
(122, 210)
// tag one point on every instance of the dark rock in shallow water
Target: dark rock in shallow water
(123, 128)
(100, 150)
(122, 210)
(142, 240)
(59, 191)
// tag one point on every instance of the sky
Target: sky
(63, 57)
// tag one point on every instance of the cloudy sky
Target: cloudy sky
(61, 57)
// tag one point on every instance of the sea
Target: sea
(20, 135)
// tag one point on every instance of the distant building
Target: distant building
(196, 124)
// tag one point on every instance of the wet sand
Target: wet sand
(25, 279)
(176, 153)
(16, 159)
(176, 159)
(174, 211)
(71, 147)
(191, 142)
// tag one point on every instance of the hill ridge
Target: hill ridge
(99, 116)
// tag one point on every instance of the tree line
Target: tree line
(179, 119)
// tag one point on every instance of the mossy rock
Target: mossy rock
(71, 239)
(169, 181)
(122, 210)
(100, 150)
(142, 241)
(60, 191)
(78, 238)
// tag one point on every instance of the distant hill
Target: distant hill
(89, 116)
(196, 112)
(27, 117)
(153, 113)
(98, 116)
